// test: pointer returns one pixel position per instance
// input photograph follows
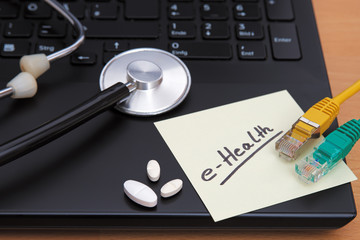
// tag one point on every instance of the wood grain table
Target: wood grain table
(339, 27)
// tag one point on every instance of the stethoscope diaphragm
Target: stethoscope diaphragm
(162, 80)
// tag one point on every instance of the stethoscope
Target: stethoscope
(140, 82)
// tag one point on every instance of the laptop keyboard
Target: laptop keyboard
(190, 29)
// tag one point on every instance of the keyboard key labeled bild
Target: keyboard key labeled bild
(249, 30)
(201, 50)
(251, 51)
(284, 41)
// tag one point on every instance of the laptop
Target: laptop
(234, 52)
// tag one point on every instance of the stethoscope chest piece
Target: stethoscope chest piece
(161, 79)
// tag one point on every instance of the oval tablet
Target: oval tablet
(153, 170)
(140, 193)
(171, 188)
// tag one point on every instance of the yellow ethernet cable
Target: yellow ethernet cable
(313, 123)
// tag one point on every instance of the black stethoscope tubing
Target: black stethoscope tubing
(63, 124)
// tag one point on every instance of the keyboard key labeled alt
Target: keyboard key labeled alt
(284, 41)
(251, 51)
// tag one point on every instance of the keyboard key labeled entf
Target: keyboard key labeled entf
(251, 50)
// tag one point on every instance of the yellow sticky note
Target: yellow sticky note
(228, 154)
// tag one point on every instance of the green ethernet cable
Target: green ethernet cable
(329, 153)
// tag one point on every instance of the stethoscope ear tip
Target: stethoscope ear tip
(35, 64)
(23, 85)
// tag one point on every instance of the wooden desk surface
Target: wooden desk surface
(339, 28)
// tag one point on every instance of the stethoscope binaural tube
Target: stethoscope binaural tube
(141, 82)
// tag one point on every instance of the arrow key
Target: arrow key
(115, 46)
(83, 58)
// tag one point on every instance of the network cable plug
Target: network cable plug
(329, 153)
(313, 123)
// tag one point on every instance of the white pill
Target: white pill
(153, 170)
(171, 188)
(140, 193)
